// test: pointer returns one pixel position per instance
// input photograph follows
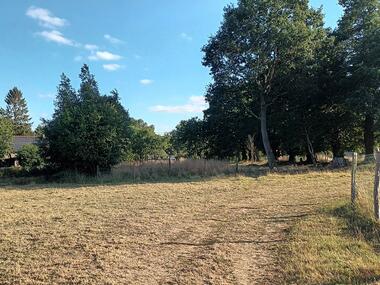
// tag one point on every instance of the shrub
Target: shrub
(6, 135)
(30, 158)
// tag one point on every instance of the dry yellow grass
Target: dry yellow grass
(220, 231)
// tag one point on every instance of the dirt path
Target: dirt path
(225, 231)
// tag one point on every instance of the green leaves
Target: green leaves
(30, 158)
(6, 135)
(88, 131)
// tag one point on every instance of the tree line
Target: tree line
(283, 84)
(286, 85)
(88, 132)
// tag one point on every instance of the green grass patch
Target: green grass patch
(337, 246)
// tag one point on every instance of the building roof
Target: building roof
(20, 141)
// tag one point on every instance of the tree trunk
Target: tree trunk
(251, 147)
(369, 137)
(264, 134)
(310, 149)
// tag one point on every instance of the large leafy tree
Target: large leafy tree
(144, 142)
(229, 119)
(260, 41)
(188, 138)
(17, 112)
(88, 131)
(359, 36)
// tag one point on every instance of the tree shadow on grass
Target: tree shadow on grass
(360, 224)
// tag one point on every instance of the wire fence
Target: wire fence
(364, 183)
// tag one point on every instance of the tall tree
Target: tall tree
(88, 131)
(66, 95)
(229, 119)
(17, 112)
(258, 42)
(359, 35)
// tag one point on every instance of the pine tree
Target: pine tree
(17, 112)
(66, 95)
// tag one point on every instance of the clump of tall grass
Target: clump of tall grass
(155, 170)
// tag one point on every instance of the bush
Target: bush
(29, 157)
(6, 135)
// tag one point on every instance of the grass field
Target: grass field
(274, 229)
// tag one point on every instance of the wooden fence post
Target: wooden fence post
(353, 177)
(377, 186)
(170, 165)
(237, 164)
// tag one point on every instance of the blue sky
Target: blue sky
(149, 50)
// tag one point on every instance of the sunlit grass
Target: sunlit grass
(221, 230)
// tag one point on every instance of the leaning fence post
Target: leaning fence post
(377, 185)
(353, 177)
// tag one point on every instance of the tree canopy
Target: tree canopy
(89, 131)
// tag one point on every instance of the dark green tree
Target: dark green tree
(17, 112)
(359, 35)
(88, 131)
(188, 137)
(258, 43)
(229, 120)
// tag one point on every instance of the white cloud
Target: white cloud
(45, 17)
(146, 81)
(46, 96)
(196, 104)
(113, 40)
(91, 47)
(57, 37)
(186, 37)
(112, 66)
(104, 55)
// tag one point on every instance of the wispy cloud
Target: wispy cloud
(46, 96)
(186, 37)
(146, 81)
(91, 47)
(113, 40)
(57, 37)
(112, 66)
(45, 18)
(104, 55)
(196, 104)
